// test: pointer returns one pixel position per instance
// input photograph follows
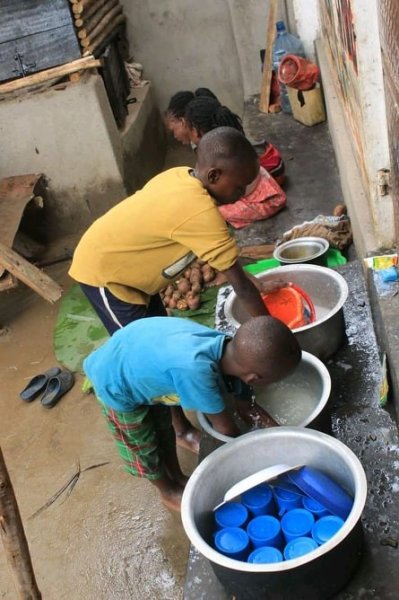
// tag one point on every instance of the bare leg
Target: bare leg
(186, 435)
(254, 415)
(170, 491)
(173, 468)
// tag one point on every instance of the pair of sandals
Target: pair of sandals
(54, 383)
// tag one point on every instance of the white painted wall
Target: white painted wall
(307, 22)
(371, 106)
(185, 44)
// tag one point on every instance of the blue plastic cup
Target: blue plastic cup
(298, 547)
(265, 531)
(286, 500)
(297, 523)
(265, 554)
(259, 500)
(325, 528)
(317, 509)
(231, 514)
(232, 542)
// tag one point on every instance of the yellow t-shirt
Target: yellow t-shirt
(147, 240)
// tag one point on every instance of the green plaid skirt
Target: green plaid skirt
(143, 437)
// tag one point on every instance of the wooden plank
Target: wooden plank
(82, 18)
(104, 23)
(257, 252)
(268, 60)
(20, 18)
(29, 274)
(93, 21)
(16, 549)
(105, 33)
(77, 65)
(47, 49)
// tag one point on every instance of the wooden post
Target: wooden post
(15, 545)
(268, 62)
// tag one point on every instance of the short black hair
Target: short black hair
(205, 113)
(225, 144)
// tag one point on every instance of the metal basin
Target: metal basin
(308, 389)
(303, 250)
(315, 576)
(328, 290)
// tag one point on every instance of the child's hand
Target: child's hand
(267, 287)
(254, 415)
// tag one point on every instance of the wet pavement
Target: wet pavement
(357, 419)
(111, 537)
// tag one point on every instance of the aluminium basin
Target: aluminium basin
(328, 291)
(315, 576)
(309, 383)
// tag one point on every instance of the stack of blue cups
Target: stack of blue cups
(272, 525)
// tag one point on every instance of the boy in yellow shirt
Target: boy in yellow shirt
(146, 241)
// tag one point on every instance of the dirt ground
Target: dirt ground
(111, 538)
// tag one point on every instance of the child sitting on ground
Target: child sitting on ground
(154, 363)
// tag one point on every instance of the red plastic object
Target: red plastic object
(288, 305)
(298, 73)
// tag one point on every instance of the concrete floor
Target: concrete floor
(111, 538)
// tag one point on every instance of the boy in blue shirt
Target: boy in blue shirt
(155, 363)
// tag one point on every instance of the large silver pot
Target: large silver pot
(328, 291)
(309, 383)
(315, 576)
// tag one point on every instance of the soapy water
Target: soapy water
(288, 403)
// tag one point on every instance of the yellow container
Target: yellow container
(307, 107)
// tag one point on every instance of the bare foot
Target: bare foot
(189, 439)
(172, 498)
(255, 416)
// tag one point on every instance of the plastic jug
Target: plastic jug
(285, 43)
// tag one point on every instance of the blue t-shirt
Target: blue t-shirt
(161, 359)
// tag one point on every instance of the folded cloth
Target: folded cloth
(336, 230)
(263, 199)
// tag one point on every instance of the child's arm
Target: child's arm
(223, 423)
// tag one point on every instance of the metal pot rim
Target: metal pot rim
(360, 486)
(324, 246)
(300, 267)
(308, 358)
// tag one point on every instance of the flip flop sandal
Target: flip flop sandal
(57, 387)
(38, 384)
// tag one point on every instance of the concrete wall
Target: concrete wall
(371, 213)
(70, 135)
(184, 44)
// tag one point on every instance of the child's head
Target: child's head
(226, 164)
(175, 120)
(206, 113)
(263, 351)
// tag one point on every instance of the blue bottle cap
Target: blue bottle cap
(231, 514)
(288, 495)
(280, 26)
(265, 554)
(231, 541)
(323, 489)
(258, 498)
(298, 547)
(264, 530)
(315, 507)
(325, 528)
(297, 522)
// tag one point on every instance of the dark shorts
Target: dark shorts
(114, 313)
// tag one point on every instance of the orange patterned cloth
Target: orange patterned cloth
(264, 198)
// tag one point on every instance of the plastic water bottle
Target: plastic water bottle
(285, 43)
